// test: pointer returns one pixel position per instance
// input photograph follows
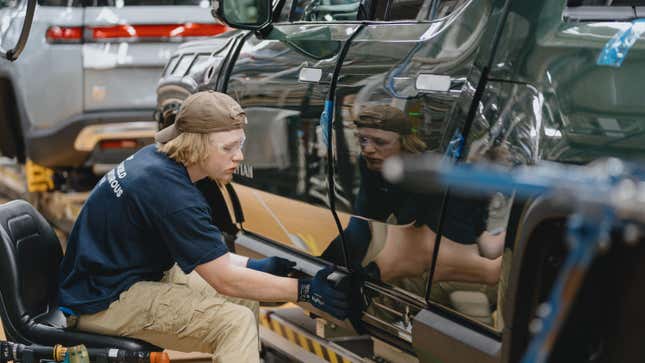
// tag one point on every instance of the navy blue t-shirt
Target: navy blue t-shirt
(141, 218)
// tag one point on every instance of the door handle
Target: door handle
(439, 83)
(310, 75)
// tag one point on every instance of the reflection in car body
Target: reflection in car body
(511, 83)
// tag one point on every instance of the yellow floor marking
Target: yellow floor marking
(318, 349)
(276, 327)
(332, 356)
(264, 321)
(301, 339)
(303, 342)
(290, 335)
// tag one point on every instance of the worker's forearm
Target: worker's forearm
(229, 279)
(255, 285)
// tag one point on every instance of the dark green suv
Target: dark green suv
(333, 88)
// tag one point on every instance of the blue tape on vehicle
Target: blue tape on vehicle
(455, 146)
(325, 120)
(617, 48)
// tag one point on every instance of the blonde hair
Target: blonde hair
(413, 144)
(188, 148)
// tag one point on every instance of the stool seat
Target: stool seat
(30, 255)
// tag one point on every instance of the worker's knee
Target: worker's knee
(245, 320)
(232, 325)
(243, 326)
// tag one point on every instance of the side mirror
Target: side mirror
(243, 14)
(12, 54)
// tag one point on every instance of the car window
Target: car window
(404, 9)
(60, 3)
(602, 10)
(324, 10)
(574, 3)
(285, 11)
(441, 8)
(122, 3)
(399, 10)
(393, 10)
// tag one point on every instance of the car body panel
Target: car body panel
(33, 82)
(266, 79)
(294, 224)
(523, 87)
(179, 81)
(383, 67)
(548, 99)
(283, 133)
(109, 65)
(590, 104)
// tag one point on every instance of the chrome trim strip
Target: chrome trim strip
(93, 134)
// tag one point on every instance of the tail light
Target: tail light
(64, 34)
(118, 144)
(145, 32)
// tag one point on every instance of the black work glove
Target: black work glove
(322, 294)
(272, 265)
(360, 297)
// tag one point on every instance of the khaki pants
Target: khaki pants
(181, 312)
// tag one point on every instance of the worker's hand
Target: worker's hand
(321, 293)
(272, 265)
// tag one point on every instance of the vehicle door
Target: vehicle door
(561, 88)
(565, 86)
(127, 43)
(420, 65)
(283, 182)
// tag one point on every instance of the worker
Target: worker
(145, 216)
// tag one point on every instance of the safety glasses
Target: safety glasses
(232, 147)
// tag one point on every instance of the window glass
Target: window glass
(285, 11)
(60, 3)
(441, 8)
(602, 10)
(403, 10)
(122, 3)
(573, 3)
(325, 10)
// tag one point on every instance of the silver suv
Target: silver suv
(83, 94)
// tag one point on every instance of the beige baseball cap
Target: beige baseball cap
(205, 112)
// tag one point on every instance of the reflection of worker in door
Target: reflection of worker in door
(384, 131)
